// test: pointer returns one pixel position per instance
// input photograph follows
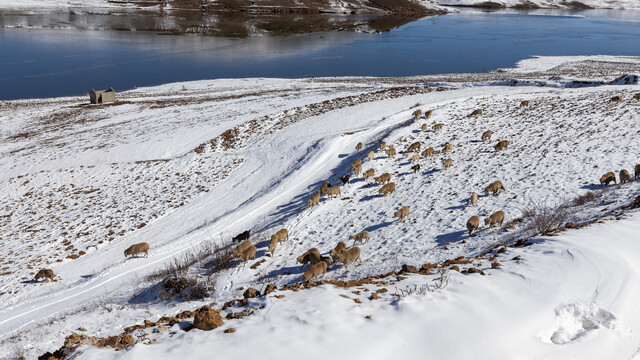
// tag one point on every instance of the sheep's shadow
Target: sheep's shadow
(368, 197)
(431, 172)
(32, 281)
(297, 204)
(378, 226)
(263, 252)
(476, 141)
(592, 187)
(287, 270)
(368, 185)
(459, 207)
(444, 239)
(416, 131)
(404, 174)
(150, 295)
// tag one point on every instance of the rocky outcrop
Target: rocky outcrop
(206, 318)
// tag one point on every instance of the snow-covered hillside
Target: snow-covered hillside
(546, 4)
(182, 165)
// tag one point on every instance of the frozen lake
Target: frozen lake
(50, 56)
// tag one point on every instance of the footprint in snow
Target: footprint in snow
(576, 320)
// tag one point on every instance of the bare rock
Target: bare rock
(127, 340)
(161, 328)
(409, 268)
(270, 288)
(206, 319)
(251, 293)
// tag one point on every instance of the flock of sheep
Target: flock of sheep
(341, 254)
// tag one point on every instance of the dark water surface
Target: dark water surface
(57, 62)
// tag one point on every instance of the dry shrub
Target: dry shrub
(17, 352)
(190, 276)
(588, 197)
(189, 288)
(543, 218)
(440, 283)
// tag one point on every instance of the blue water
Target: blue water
(45, 62)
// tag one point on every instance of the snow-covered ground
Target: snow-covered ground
(550, 4)
(339, 7)
(183, 164)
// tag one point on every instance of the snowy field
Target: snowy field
(182, 165)
(338, 6)
(547, 4)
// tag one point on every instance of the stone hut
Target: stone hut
(102, 96)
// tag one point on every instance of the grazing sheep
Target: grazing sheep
(345, 179)
(383, 179)
(415, 168)
(369, 174)
(323, 188)
(311, 256)
(494, 187)
(473, 223)
(487, 135)
(340, 247)
(617, 99)
(356, 163)
(501, 145)
(334, 192)
(495, 218)
(415, 158)
(357, 169)
(637, 171)
(45, 274)
(447, 163)
(249, 253)
(424, 127)
(314, 200)
(359, 146)
(371, 155)
(391, 152)
(280, 235)
(447, 147)
(242, 236)
(136, 249)
(402, 213)
(624, 176)
(476, 112)
(636, 96)
(416, 114)
(346, 256)
(607, 178)
(428, 114)
(387, 189)
(414, 147)
(314, 271)
(273, 244)
(428, 152)
(383, 145)
(437, 127)
(240, 249)
(525, 103)
(362, 237)
(474, 199)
